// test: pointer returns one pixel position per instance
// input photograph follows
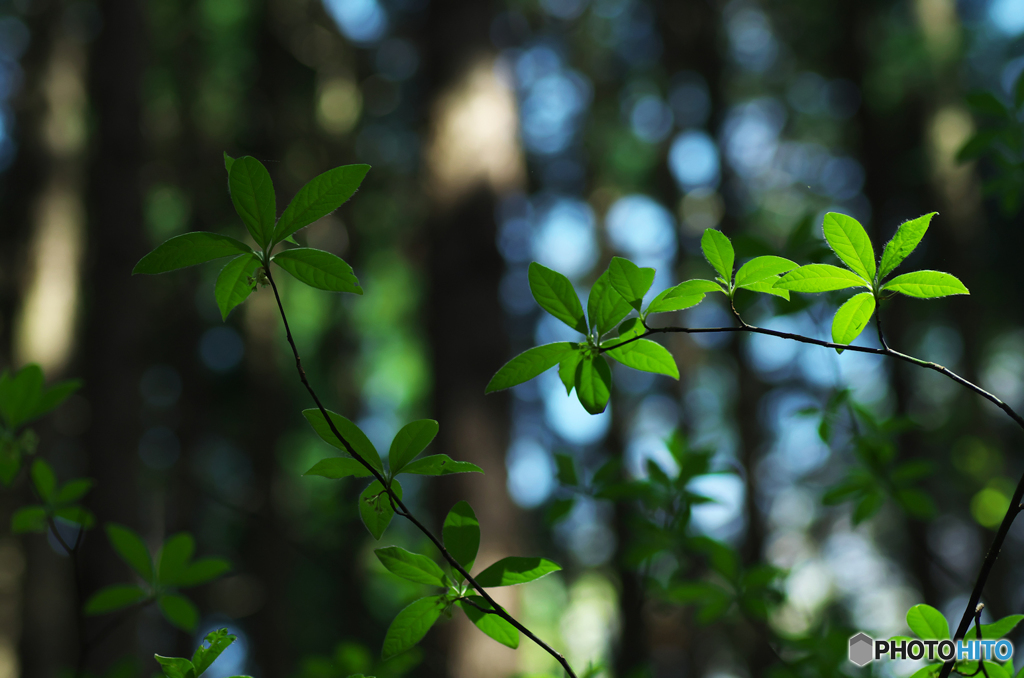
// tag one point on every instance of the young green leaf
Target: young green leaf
(338, 467)
(409, 442)
(319, 197)
(851, 243)
(605, 306)
(491, 624)
(647, 356)
(593, 383)
(852, 317)
(44, 480)
(762, 268)
(515, 570)
(868, 506)
(228, 162)
(113, 598)
(53, 396)
(76, 515)
(352, 433)
(132, 549)
(767, 286)
(252, 193)
(926, 285)
(375, 507)
(203, 570)
(174, 557)
(556, 295)
(179, 610)
(189, 249)
(235, 283)
(440, 465)
(820, 278)
(529, 364)
(684, 295)
(176, 667)
(319, 269)
(19, 394)
(566, 470)
(411, 624)
(29, 519)
(719, 253)
(997, 629)
(411, 566)
(907, 237)
(219, 641)
(629, 280)
(567, 367)
(461, 534)
(927, 622)
(73, 490)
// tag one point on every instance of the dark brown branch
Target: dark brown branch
(396, 501)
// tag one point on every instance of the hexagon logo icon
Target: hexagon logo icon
(861, 649)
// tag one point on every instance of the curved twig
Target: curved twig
(396, 501)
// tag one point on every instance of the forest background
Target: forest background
(561, 131)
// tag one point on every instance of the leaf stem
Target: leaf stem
(1018, 494)
(396, 501)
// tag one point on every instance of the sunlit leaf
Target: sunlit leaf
(852, 317)
(903, 243)
(567, 368)
(529, 364)
(820, 278)
(629, 280)
(411, 624)
(556, 295)
(605, 306)
(491, 624)
(410, 441)
(682, 296)
(515, 570)
(319, 197)
(189, 249)
(926, 285)
(219, 641)
(927, 622)
(997, 629)
(647, 356)
(851, 243)
(719, 253)
(411, 566)
(593, 383)
(761, 268)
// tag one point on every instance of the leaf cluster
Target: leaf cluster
(24, 397)
(927, 623)
(58, 502)
(205, 655)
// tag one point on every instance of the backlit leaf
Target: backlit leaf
(411, 566)
(319, 197)
(927, 622)
(926, 285)
(411, 624)
(515, 570)
(761, 268)
(318, 269)
(189, 249)
(605, 306)
(556, 295)
(410, 441)
(852, 317)
(647, 356)
(819, 278)
(593, 383)
(719, 253)
(235, 283)
(907, 237)
(851, 243)
(629, 280)
(529, 364)
(491, 624)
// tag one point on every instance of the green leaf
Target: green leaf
(647, 356)
(908, 236)
(252, 193)
(411, 566)
(411, 624)
(719, 253)
(410, 442)
(375, 507)
(319, 197)
(361, 445)
(20, 394)
(852, 317)
(684, 295)
(113, 598)
(567, 368)
(926, 285)
(77, 515)
(174, 557)
(54, 396)
(997, 629)
(180, 611)
(761, 268)
(338, 467)
(985, 102)
(851, 243)
(235, 283)
(515, 570)
(318, 269)
(461, 534)
(29, 519)
(555, 294)
(566, 470)
(228, 162)
(219, 641)
(189, 249)
(767, 286)
(529, 364)
(44, 480)
(176, 667)
(491, 624)
(819, 278)
(202, 571)
(605, 306)
(917, 503)
(73, 490)
(132, 549)
(630, 281)
(868, 506)
(593, 383)
(927, 622)
(440, 465)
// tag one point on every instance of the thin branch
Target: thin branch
(485, 611)
(396, 501)
(1018, 494)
